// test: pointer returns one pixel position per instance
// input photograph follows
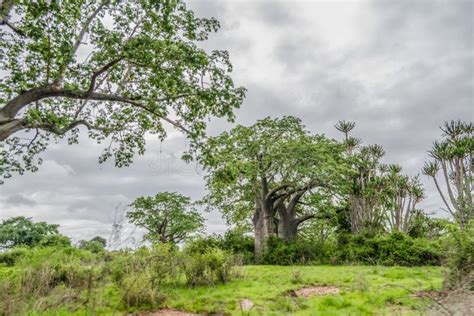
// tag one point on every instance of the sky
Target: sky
(399, 69)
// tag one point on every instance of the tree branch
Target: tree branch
(101, 71)
(78, 41)
(304, 218)
(4, 21)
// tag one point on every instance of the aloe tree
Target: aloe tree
(403, 195)
(380, 195)
(118, 69)
(451, 169)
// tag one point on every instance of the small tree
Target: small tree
(168, 217)
(23, 231)
(452, 157)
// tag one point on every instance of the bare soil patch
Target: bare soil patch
(319, 290)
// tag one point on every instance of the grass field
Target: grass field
(363, 290)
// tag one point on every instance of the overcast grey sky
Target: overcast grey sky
(397, 68)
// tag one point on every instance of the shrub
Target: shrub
(237, 243)
(10, 257)
(460, 258)
(138, 291)
(206, 266)
(393, 249)
(300, 251)
(55, 240)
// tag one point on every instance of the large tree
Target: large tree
(22, 231)
(260, 175)
(452, 163)
(168, 217)
(120, 69)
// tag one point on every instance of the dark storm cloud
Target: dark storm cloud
(397, 68)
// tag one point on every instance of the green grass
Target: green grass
(364, 290)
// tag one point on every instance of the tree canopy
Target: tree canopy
(452, 162)
(380, 196)
(260, 175)
(120, 69)
(167, 217)
(22, 231)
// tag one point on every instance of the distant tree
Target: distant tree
(55, 240)
(452, 158)
(23, 231)
(100, 240)
(168, 217)
(260, 176)
(95, 245)
(143, 67)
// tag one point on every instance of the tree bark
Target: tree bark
(263, 227)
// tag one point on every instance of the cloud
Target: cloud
(19, 200)
(397, 68)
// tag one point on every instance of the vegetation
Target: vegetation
(22, 231)
(318, 225)
(262, 175)
(453, 158)
(168, 217)
(142, 69)
(66, 280)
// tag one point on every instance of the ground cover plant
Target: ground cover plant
(69, 281)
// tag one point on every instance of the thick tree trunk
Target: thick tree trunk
(263, 228)
(287, 226)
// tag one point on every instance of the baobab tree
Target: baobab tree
(259, 175)
(119, 69)
(452, 163)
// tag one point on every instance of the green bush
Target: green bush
(55, 240)
(235, 242)
(392, 249)
(206, 266)
(300, 251)
(460, 258)
(10, 257)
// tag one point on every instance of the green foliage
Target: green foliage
(300, 251)
(23, 231)
(55, 240)
(460, 258)
(95, 245)
(239, 244)
(144, 65)
(452, 158)
(168, 217)
(393, 249)
(11, 256)
(206, 266)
